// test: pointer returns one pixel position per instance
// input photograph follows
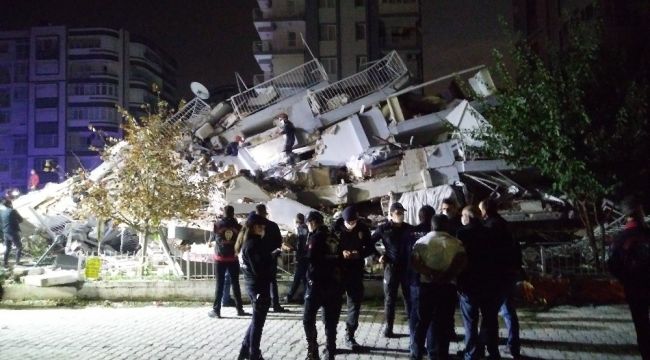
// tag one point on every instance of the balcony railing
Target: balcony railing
(278, 88)
(376, 77)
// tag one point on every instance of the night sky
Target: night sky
(210, 39)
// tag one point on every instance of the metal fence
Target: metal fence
(278, 88)
(379, 75)
(564, 259)
(194, 107)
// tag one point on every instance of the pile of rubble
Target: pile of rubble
(356, 141)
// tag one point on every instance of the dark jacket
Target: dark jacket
(272, 235)
(483, 272)
(416, 233)
(629, 259)
(232, 149)
(10, 220)
(290, 131)
(509, 251)
(301, 241)
(257, 262)
(324, 258)
(225, 236)
(393, 238)
(358, 240)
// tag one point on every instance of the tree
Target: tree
(576, 118)
(148, 181)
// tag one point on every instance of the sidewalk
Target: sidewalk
(152, 332)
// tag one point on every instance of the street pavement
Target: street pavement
(165, 332)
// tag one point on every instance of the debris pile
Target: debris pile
(355, 141)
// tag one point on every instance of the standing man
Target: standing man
(257, 265)
(224, 236)
(273, 239)
(438, 257)
(630, 262)
(324, 290)
(480, 287)
(392, 235)
(10, 221)
(289, 131)
(356, 245)
(449, 207)
(511, 261)
(300, 275)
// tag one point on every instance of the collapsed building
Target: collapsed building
(360, 140)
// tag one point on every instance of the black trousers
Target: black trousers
(12, 239)
(638, 299)
(353, 288)
(328, 297)
(260, 301)
(299, 277)
(395, 277)
(275, 297)
(233, 271)
(434, 305)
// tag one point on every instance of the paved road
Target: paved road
(159, 332)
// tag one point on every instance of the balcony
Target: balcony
(267, 47)
(259, 15)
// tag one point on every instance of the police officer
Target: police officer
(257, 265)
(300, 275)
(324, 285)
(273, 239)
(356, 244)
(10, 221)
(392, 235)
(224, 236)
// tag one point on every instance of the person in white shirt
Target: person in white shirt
(439, 258)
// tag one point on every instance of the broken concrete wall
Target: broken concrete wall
(341, 142)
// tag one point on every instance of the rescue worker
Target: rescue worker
(10, 221)
(232, 149)
(224, 237)
(392, 235)
(324, 286)
(289, 131)
(356, 245)
(273, 239)
(257, 265)
(300, 275)
(439, 258)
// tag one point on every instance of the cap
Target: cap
(261, 209)
(315, 216)
(254, 219)
(396, 206)
(350, 214)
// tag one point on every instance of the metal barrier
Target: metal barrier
(564, 259)
(195, 107)
(379, 75)
(278, 88)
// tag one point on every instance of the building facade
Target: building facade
(344, 35)
(55, 82)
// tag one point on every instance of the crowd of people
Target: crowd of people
(463, 257)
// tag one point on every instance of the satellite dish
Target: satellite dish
(199, 90)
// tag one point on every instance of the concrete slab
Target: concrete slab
(283, 211)
(341, 142)
(61, 277)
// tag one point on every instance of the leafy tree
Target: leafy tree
(580, 118)
(147, 182)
